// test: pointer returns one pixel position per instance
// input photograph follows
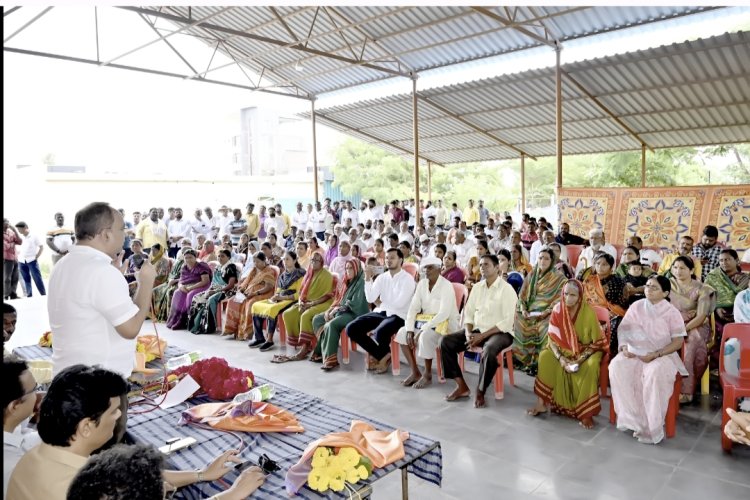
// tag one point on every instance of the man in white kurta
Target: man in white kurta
(435, 297)
(598, 244)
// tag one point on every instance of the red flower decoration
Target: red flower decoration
(217, 379)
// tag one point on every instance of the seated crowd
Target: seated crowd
(452, 282)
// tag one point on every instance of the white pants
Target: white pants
(426, 344)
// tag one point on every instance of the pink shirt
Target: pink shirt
(10, 240)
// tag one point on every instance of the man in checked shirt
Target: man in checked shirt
(708, 250)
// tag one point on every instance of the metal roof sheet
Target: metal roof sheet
(686, 94)
(400, 39)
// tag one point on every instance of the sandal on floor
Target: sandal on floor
(315, 358)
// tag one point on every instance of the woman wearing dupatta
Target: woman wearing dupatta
(333, 249)
(208, 253)
(195, 277)
(287, 293)
(162, 294)
(695, 301)
(202, 315)
(348, 304)
(575, 338)
(603, 288)
(257, 285)
(518, 262)
(161, 262)
(642, 375)
(314, 298)
(728, 281)
(538, 295)
(558, 263)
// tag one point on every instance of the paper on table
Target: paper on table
(181, 392)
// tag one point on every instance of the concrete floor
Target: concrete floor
(496, 452)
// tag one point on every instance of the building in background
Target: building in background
(271, 143)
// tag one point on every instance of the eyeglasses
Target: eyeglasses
(32, 391)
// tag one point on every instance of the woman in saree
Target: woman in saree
(333, 249)
(472, 268)
(558, 263)
(378, 251)
(314, 298)
(518, 262)
(195, 277)
(161, 262)
(208, 252)
(695, 301)
(539, 294)
(202, 316)
(602, 288)
(727, 280)
(568, 378)
(162, 294)
(349, 302)
(451, 271)
(135, 261)
(643, 373)
(257, 285)
(287, 293)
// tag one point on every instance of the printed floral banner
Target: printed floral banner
(660, 216)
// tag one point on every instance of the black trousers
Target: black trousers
(454, 343)
(384, 327)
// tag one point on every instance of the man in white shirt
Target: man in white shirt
(318, 219)
(598, 244)
(434, 296)
(91, 315)
(273, 221)
(375, 212)
(223, 221)
(178, 229)
(488, 323)
(394, 289)
(545, 239)
(362, 214)
(648, 256)
(502, 240)
(484, 214)
(441, 215)
(199, 226)
(463, 248)
(213, 224)
(404, 234)
(350, 213)
(28, 260)
(19, 400)
(300, 218)
(355, 240)
(429, 211)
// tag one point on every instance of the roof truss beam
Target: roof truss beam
(547, 39)
(271, 41)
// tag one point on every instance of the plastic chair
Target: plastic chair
(670, 421)
(411, 268)
(734, 386)
(745, 266)
(574, 252)
(602, 315)
(499, 382)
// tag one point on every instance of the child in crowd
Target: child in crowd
(635, 281)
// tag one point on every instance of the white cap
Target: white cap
(423, 238)
(430, 261)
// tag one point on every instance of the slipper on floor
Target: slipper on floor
(457, 398)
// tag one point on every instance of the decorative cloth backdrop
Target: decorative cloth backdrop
(659, 215)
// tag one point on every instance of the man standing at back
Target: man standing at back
(470, 214)
(60, 239)
(91, 315)
(28, 259)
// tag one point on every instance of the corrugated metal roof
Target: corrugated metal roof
(685, 94)
(401, 39)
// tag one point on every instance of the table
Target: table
(423, 455)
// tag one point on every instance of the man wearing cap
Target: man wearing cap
(253, 223)
(424, 247)
(434, 298)
(28, 259)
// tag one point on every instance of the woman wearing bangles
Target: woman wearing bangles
(258, 285)
(538, 295)
(568, 379)
(642, 375)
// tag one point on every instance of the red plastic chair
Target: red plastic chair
(574, 252)
(734, 386)
(673, 409)
(745, 266)
(602, 315)
(411, 268)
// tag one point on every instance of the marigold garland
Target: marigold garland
(330, 470)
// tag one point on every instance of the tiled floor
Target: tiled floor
(497, 452)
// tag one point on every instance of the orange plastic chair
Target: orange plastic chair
(670, 421)
(411, 268)
(734, 386)
(499, 382)
(574, 252)
(602, 315)
(745, 266)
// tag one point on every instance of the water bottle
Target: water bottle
(183, 360)
(256, 394)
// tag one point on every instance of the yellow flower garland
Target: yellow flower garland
(332, 470)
